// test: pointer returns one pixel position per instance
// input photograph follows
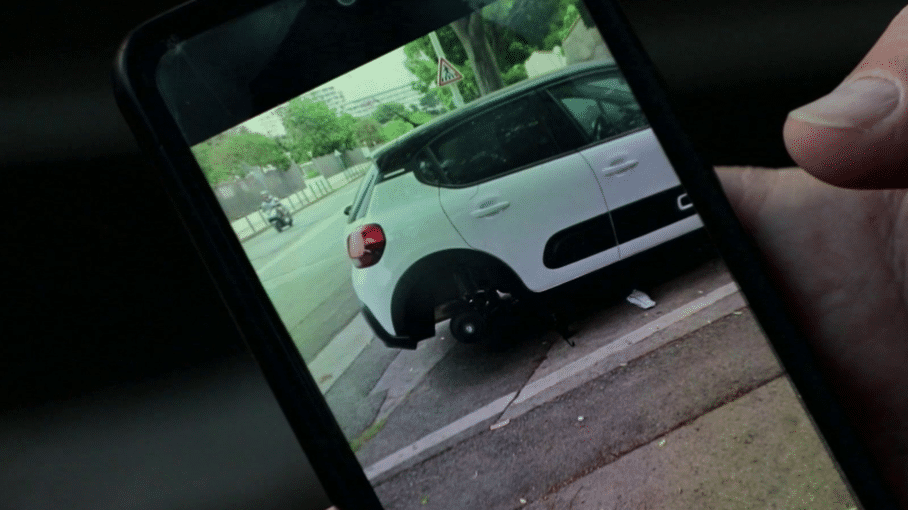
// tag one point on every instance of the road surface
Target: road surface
(306, 271)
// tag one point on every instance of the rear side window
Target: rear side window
(602, 105)
(494, 143)
(425, 168)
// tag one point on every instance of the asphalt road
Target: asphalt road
(306, 271)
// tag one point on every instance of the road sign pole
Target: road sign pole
(440, 53)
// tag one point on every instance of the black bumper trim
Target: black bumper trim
(398, 342)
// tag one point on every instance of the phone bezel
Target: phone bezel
(161, 138)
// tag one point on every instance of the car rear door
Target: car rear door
(513, 191)
(643, 193)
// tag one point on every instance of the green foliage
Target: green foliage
(526, 19)
(367, 435)
(430, 102)
(540, 24)
(561, 25)
(515, 74)
(368, 132)
(226, 157)
(396, 128)
(423, 63)
(389, 111)
(315, 130)
(202, 154)
(514, 29)
(420, 118)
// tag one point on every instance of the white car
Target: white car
(516, 193)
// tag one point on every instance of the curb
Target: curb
(535, 393)
(335, 358)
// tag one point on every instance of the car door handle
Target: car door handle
(619, 167)
(489, 210)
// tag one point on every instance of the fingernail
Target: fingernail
(860, 103)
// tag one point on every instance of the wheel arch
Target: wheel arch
(431, 282)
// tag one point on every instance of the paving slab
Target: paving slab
(351, 399)
(332, 361)
(759, 451)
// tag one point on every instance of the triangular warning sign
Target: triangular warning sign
(447, 74)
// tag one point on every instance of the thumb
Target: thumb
(857, 136)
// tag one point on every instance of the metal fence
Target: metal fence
(316, 188)
(243, 196)
(356, 157)
(327, 166)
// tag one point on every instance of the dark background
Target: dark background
(122, 380)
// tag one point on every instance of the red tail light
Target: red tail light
(365, 245)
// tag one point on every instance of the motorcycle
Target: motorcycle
(280, 217)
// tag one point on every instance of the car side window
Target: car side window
(425, 168)
(602, 105)
(494, 143)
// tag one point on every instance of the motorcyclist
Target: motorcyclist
(269, 203)
(275, 211)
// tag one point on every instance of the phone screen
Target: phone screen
(499, 284)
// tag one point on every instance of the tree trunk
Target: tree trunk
(471, 31)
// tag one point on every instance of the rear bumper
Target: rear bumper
(397, 342)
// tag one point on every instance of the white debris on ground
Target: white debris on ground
(499, 425)
(640, 299)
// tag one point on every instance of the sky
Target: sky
(384, 73)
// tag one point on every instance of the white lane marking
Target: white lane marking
(408, 452)
(624, 342)
(536, 387)
(340, 353)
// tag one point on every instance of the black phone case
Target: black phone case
(164, 141)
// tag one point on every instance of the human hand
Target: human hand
(841, 255)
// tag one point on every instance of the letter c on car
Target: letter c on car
(684, 202)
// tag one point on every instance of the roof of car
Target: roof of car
(417, 138)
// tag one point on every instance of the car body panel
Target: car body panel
(640, 187)
(538, 207)
(415, 226)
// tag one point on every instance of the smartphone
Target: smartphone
(478, 261)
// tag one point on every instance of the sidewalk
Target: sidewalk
(563, 370)
(757, 451)
(707, 421)
(339, 354)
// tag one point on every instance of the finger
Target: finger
(857, 136)
(747, 190)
